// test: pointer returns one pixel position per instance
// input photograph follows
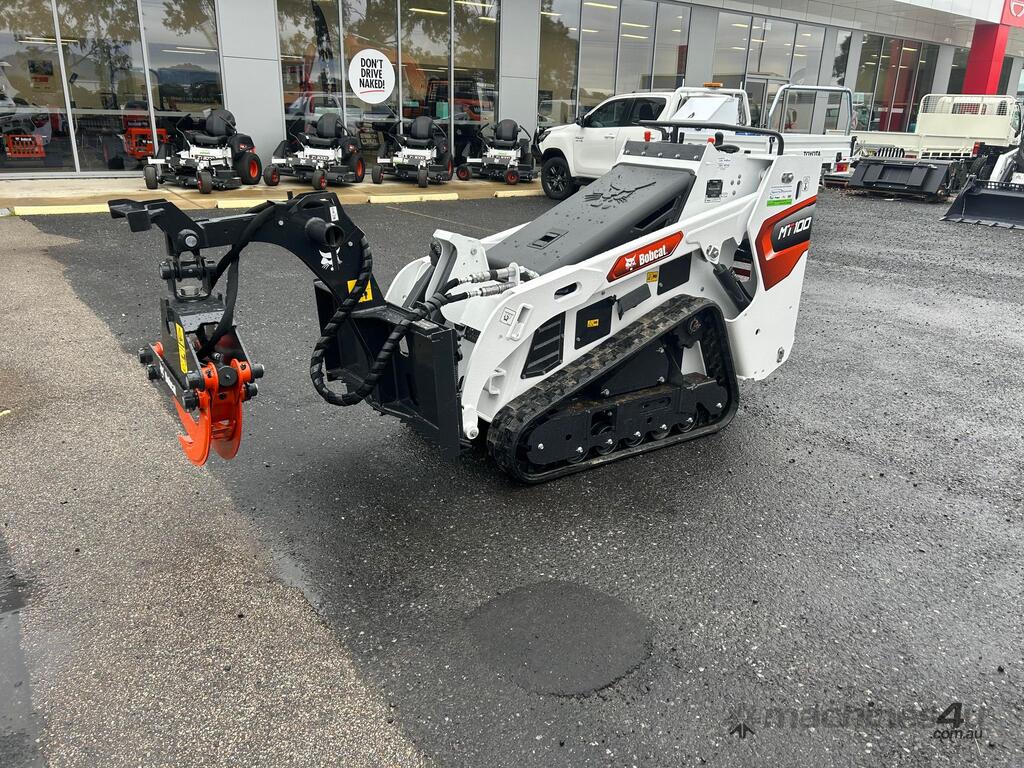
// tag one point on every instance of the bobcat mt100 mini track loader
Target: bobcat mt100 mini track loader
(617, 322)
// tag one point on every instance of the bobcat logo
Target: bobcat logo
(1016, 8)
(613, 196)
(326, 260)
(631, 262)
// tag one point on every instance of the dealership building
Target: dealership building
(87, 86)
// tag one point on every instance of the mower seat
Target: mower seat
(506, 134)
(205, 140)
(421, 133)
(622, 205)
(220, 125)
(330, 133)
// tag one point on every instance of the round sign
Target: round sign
(371, 76)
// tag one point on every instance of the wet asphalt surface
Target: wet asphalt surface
(832, 571)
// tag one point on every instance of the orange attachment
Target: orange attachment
(220, 416)
(24, 145)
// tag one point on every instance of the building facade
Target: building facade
(88, 86)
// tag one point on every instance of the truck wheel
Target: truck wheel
(512, 176)
(376, 174)
(249, 168)
(204, 180)
(151, 176)
(421, 177)
(319, 179)
(271, 176)
(556, 179)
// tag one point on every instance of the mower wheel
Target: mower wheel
(319, 179)
(512, 176)
(377, 174)
(204, 180)
(271, 176)
(421, 177)
(149, 173)
(463, 173)
(358, 166)
(249, 168)
(556, 179)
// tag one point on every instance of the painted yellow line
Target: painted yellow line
(50, 210)
(519, 193)
(5, 412)
(396, 198)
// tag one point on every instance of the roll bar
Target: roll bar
(783, 96)
(670, 130)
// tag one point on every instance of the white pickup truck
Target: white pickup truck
(584, 150)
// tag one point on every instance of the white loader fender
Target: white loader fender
(762, 336)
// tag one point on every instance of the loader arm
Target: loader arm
(200, 358)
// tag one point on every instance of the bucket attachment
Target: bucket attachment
(993, 203)
(896, 176)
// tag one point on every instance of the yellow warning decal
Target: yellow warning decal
(182, 349)
(652, 277)
(593, 323)
(367, 294)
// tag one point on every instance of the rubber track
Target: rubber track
(511, 423)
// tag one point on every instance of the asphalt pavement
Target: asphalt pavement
(819, 584)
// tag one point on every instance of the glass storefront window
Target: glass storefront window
(184, 65)
(311, 62)
(425, 43)
(729, 64)
(34, 131)
(958, 71)
(901, 100)
(807, 54)
(476, 61)
(371, 24)
(106, 80)
(841, 57)
(1004, 74)
(670, 45)
(771, 47)
(885, 81)
(597, 55)
(636, 46)
(559, 48)
(867, 73)
(923, 82)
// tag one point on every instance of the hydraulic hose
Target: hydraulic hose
(387, 350)
(229, 263)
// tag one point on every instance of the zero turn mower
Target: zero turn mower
(217, 158)
(422, 153)
(331, 156)
(616, 323)
(503, 156)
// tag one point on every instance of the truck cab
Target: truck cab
(588, 147)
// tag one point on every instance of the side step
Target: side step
(992, 203)
(626, 397)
